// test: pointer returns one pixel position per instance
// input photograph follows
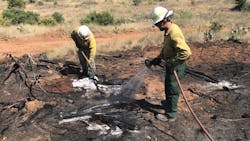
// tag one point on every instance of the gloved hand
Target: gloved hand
(89, 62)
(168, 63)
(148, 63)
(155, 61)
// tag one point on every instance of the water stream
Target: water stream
(117, 95)
(130, 88)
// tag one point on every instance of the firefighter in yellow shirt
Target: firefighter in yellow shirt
(86, 44)
(175, 52)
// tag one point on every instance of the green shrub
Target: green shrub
(58, 17)
(136, 2)
(55, 3)
(31, 17)
(40, 3)
(210, 34)
(216, 26)
(47, 22)
(120, 21)
(16, 16)
(16, 4)
(32, 1)
(242, 5)
(150, 1)
(103, 18)
(238, 33)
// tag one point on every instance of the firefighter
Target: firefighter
(85, 42)
(175, 52)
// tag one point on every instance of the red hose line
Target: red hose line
(190, 109)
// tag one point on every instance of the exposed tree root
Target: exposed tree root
(194, 91)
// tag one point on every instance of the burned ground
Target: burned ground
(37, 95)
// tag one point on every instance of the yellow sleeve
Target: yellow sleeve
(181, 48)
(92, 47)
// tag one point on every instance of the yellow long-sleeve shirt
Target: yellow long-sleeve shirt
(90, 44)
(175, 48)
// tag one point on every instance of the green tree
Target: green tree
(16, 4)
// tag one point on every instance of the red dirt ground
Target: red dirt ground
(56, 39)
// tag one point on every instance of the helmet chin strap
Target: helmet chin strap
(163, 27)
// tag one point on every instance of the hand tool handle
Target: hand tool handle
(88, 62)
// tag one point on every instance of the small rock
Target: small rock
(34, 105)
(50, 71)
(148, 138)
(214, 117)
(70, 101)
(4, 138)
(245, 115)
(138, 96)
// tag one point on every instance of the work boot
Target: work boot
(165, 118)
(83, 74)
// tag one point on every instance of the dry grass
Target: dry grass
(152, 39)
(65, 53)
(23, 30)
(193, 17)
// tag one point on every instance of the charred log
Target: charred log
(201, 75)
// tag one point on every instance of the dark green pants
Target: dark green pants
(172, 90)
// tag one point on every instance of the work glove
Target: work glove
(156, 61)
(89, 62)
(169, 64)
(148, 63)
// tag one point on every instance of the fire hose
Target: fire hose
(148, 64)
(190, 109)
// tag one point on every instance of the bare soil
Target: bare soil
(37, 93)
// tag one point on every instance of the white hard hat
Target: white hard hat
(159, 14)
(83, 31)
